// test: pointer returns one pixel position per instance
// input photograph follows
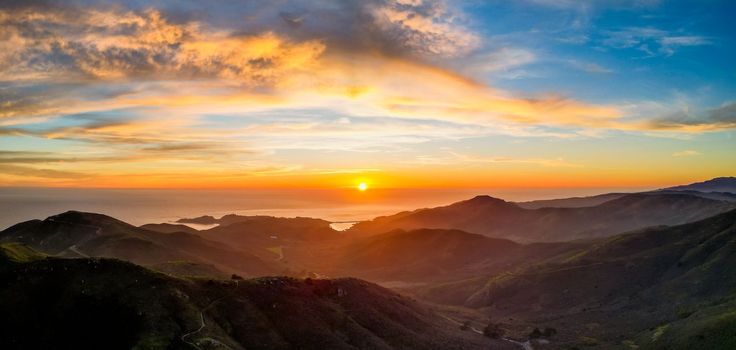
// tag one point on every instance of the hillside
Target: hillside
(719, 184)
(77, 234)
(169, 228)
(245, 231)
(263, 222)
(631, 284)
(677, 256)
(18, 253)
(433, 255)
(94, 303)
(497, 218)
(572, 202)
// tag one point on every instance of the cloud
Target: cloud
(590, 67)
(55, 57)
(555, 162)
(600, 3)
(723, 117)
(24, 171)
(112, 42)
(504, 59)
(374, 58)
(430, 31)
(652, 41)
(576, 39)
(385, 68)
(103, 45)
(686, 153)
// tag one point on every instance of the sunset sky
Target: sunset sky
(393, 94)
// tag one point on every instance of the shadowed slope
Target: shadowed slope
(497, 218)
(631, 283)
(92, 303)
(719, 184)
(77, 234)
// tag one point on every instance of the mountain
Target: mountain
(78, 234)
(420, 253)
(643, 287)
(103, 303)
(295, 242)
(497, 218)
(433, 255)
(719, 184)
(262, 220)
(692, 257)
(200, 220)
(719, 196)
(169, 228)
(572, 202)
(244, 230)
(579, 202)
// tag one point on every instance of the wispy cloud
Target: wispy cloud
(503, 59)
(686, 153)
(24, 171)
(723, 117)
(652, 41)
(547, 162)
(590, 67)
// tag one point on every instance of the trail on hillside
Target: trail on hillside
(202, 325)
(527, 345)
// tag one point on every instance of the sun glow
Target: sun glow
(362, 186)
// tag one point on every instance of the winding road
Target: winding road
(183, 337)
(202, 325)
(73, 249)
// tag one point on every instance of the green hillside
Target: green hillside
(102, 303)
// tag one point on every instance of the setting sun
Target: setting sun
(362, 186)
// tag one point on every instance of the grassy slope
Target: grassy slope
(711, 326)
(93, 303)
(497, 218)
(72, 233)
(19, 253)
(630, 284)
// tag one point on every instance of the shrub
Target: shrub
(548, 332)
(493, 331)
(535, 334)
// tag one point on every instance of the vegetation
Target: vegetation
(494, 331)
(82, 303)
(19, 253)
(497, 218)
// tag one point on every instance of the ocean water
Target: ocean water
(141, 206)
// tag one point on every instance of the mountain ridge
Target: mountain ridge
(718, 184)
(79, 234)
(501, 219)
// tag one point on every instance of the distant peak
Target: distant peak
(73, 214)
(204, 219)
(486, 198)
(80, 217)
(718, 184)
(227, 216)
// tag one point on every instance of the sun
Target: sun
(362, 186)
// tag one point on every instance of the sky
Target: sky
(391, 93)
